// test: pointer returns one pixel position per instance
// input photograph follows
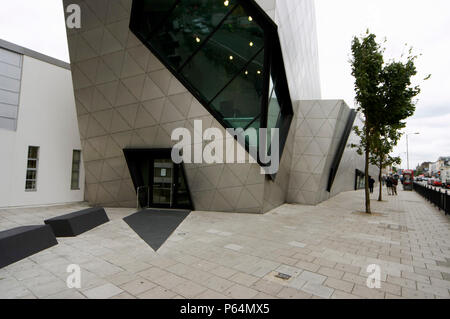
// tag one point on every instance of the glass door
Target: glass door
(163, 186)
(158, 181)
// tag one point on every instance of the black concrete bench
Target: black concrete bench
(22, 242)
(76, 223)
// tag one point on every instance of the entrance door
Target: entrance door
(163, 182)
(158, 181)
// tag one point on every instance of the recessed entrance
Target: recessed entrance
(158, 181)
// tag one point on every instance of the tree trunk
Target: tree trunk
(380, 196)
(368, 211)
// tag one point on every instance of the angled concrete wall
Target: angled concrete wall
(320, 125)
(126, 98)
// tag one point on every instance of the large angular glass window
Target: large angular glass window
(226, 53)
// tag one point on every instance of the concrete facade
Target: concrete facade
(126, 98)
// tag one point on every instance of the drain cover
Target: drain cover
(283, 276)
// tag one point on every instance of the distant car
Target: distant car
(437, 183)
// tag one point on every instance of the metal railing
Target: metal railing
(439, 199)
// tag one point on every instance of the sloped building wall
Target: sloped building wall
(319, 131)
(127, 99)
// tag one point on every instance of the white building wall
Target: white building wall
(47, 118)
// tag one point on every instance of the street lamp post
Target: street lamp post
(407, 147)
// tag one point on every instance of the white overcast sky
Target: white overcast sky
(425, 25)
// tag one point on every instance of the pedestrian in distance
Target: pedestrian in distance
(371, 184)
(389, 185)
(394, 186)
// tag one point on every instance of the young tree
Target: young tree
(385, 97)
(367, 66)
(397, 96)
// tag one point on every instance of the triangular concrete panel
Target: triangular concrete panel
(89, 68)
(118, 124)
(220, 204)
(182, 102)
(119, 30)
(155, 108)
(104, 118)
(124, 96)
(130, 67)
(162, 79)
(108, 92)
(95, 169)
(170, 113)
(135, 85)
(246, 200)
(129, 112)
(109, 174)
(94, 38)
(148, 134)
(228, 179)
(114, 61)
(313, 149)
(104, 73)
(151, 91)
(99, 144)
(141, 55)
(143, 118)
(94, 129)
(175, 87)
(112, 149)
(231, 195)
(110, 43)
(197, 110)
(118, 164)
(116, 12)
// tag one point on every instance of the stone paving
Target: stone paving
(324, 249)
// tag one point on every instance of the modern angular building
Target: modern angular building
(40, 157)
(143, 68)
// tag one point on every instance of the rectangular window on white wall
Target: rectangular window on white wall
(76, 162)
(32, 168)
(10, 81)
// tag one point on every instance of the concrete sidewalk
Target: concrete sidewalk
(325, 249)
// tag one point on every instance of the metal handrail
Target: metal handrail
(440, 199)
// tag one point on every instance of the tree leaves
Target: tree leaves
(385, 96)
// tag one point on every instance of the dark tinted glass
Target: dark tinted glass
(273, 114)
(224, 55)
(30, 185)
(32, 164)
(182, 195)
(31, 174)
(151, 14)
(186, 28)
(240, 102)
(33, 152)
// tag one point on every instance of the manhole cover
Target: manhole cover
(283, 276)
